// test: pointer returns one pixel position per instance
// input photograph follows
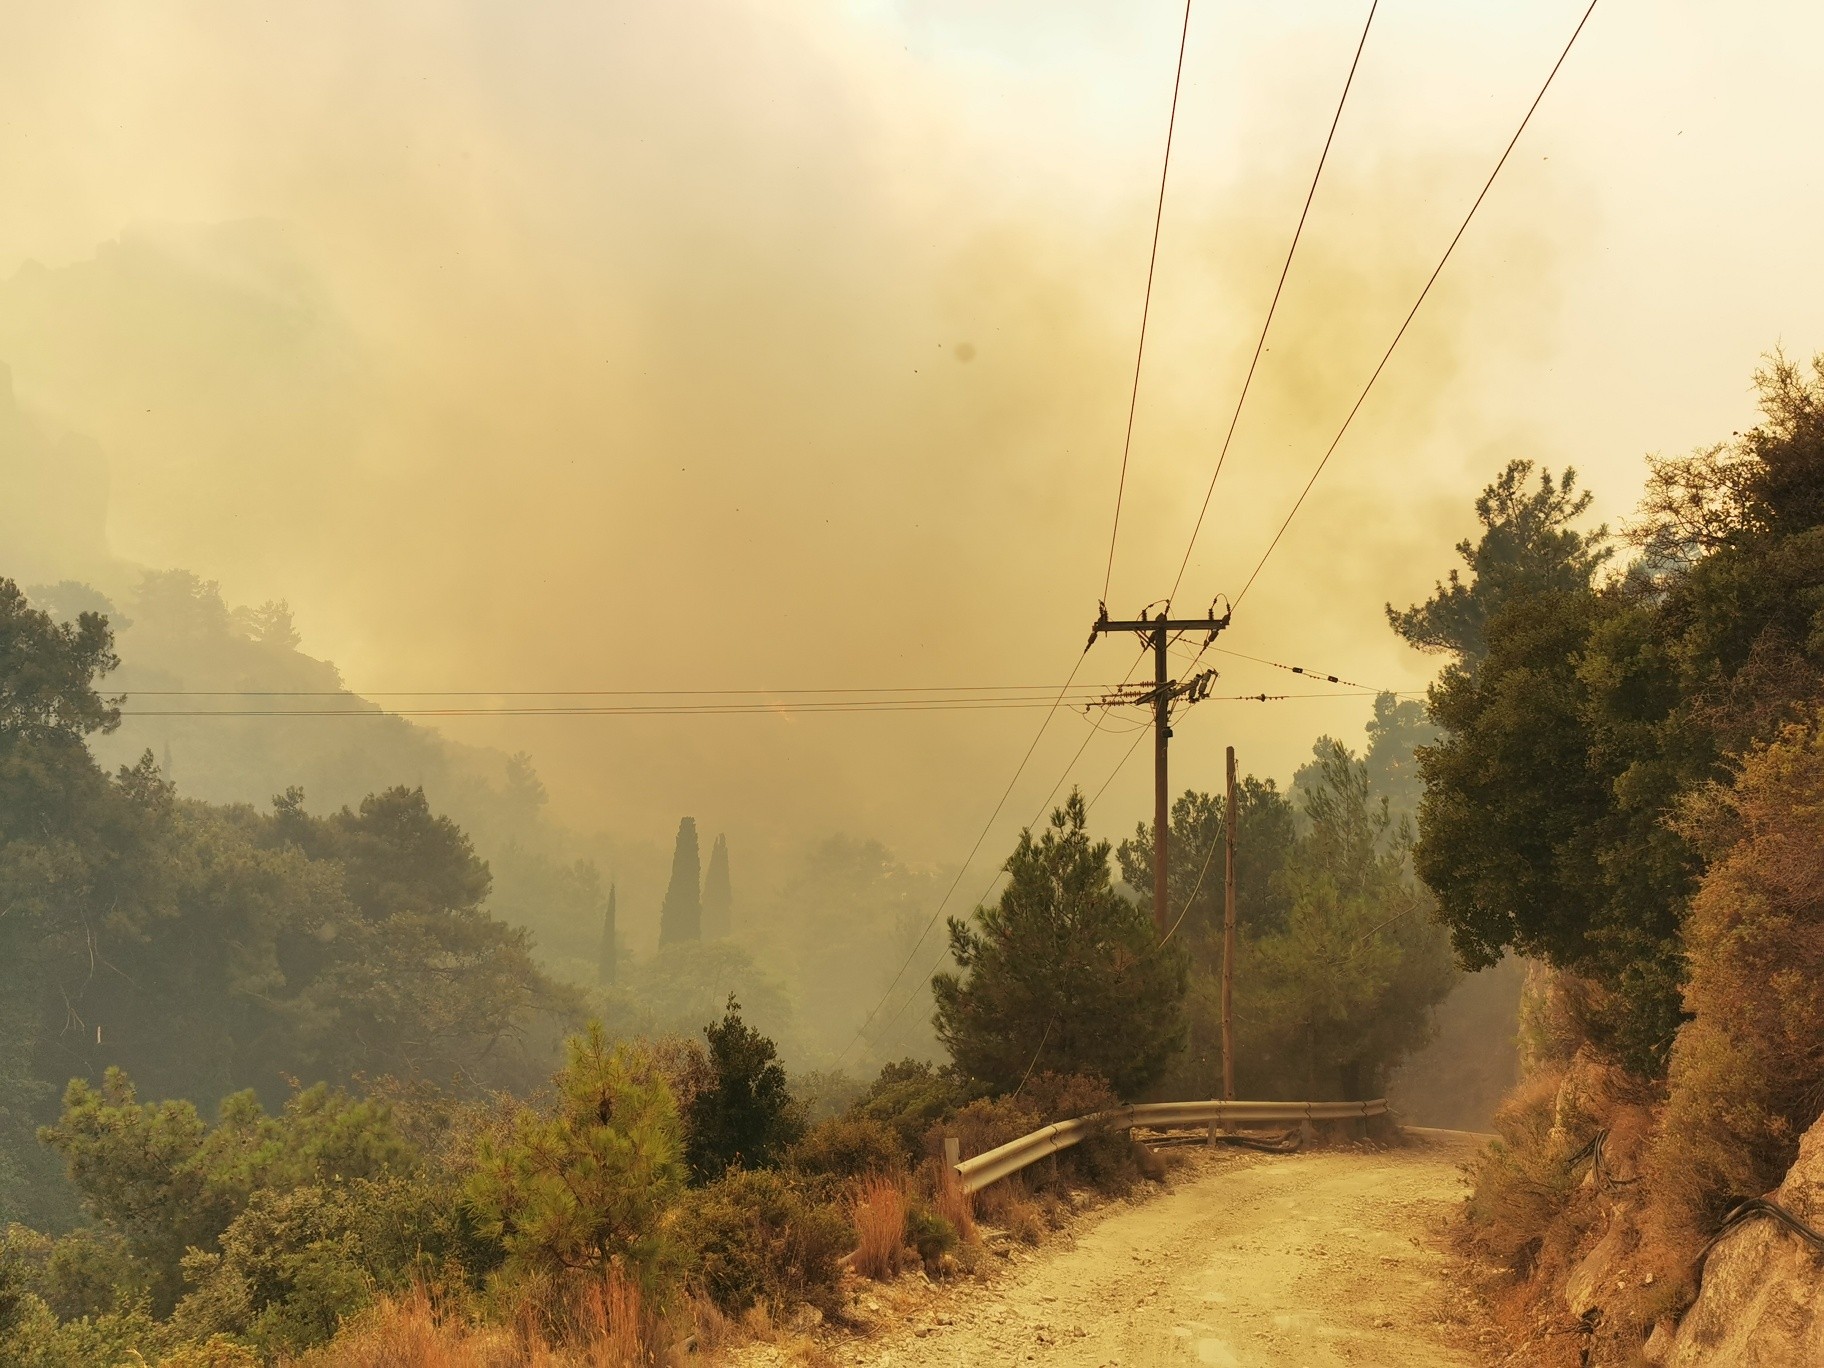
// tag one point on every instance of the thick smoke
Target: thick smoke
(723, 344)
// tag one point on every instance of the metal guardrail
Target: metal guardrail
(983, 1169)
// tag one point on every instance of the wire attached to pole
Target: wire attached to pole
(1261, 342)
(1146, 306)
(1413, 312)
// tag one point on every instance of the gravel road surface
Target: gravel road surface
(1313, 1259)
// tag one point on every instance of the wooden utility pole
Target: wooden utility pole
(1228, 939)
(1159, 631)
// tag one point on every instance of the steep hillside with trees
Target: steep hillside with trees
(208, 949)
(1627, 791)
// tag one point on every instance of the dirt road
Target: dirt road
(1328, 1257)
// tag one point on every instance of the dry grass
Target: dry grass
(1009, 1205)
(600, 1323)
(879, 1213)
(613, 1325)
(955, 1205)
(1521, 1184)
(416, 1331)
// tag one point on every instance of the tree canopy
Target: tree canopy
(208, 949)
(744, 1116)
(1579, 715)
(1062, 973)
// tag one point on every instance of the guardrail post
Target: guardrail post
(953, 1155)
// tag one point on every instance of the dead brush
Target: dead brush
(1008, 1205)
(879, 1214)
(955, 1205)
(1521, 1184)
(415, 1330)
(611, 1325)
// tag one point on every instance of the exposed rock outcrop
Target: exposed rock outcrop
(1762, 1300)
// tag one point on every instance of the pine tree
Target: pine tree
(718, 900)
(605, 957)
(681, 917)
(745, 1117)
(1063, 973)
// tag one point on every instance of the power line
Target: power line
(1120, 765)
(1261, 342)
(728, 710)
(1305, 671)
(1413, 312)
(1050, 704)
(572, 693)
(1152, 260)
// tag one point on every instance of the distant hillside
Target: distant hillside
(176, 632)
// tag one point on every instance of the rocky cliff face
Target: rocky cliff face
(1762, 1300)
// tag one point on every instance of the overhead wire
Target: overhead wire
(578, 693)
(1146, 305)
(1413, 312)
(861, 707)
(887, 1034)
(1306, 671)
(650, 710)
(1279, 288)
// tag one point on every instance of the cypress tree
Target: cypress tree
(718, 900)
(605, 957)
(681, 916)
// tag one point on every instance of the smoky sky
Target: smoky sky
(724, 344)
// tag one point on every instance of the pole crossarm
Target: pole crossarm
(1211, 624)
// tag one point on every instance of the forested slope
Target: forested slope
(1627, 790)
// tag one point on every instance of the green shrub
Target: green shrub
(908, 1097)
(928, 1232)
(588, 1183)
(88, 1272)
(1105, 1159)
(984, 1124)
(846, 1147)
(760, 1240)
(218, 1351)
(824, 1093)
(16, 1277)
(91, 1272)
(166, 1183)
(288, 1270)
(745, 1115)
(37, 1339)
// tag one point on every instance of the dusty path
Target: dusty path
(1330, 1257)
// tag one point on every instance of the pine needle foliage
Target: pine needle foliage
(1062, 973)
(587, 1183)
